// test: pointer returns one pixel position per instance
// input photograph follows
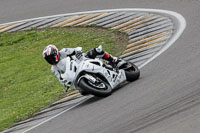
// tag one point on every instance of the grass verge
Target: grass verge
(26, 82)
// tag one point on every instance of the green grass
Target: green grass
(26, 82)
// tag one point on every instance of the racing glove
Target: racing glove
(78, 52)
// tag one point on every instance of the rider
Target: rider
(53, 57)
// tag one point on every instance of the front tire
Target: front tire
(87, 87)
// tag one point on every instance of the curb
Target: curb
(69, 97)
(150, 31)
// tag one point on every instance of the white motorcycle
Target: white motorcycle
(93, 76)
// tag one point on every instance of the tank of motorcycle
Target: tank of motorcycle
(91, 65)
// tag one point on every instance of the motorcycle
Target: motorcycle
(93, 76)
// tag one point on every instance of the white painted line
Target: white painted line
(180, 25)
(160, 11)
(56, 115)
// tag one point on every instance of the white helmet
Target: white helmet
(51, 54)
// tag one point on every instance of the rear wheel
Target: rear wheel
(132, 71)
(100, 88)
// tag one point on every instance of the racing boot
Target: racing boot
(114, 61)
(104, 55)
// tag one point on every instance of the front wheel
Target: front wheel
(100, 89)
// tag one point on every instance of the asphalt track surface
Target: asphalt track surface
(165, 99)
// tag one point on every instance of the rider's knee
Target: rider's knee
(93, 53)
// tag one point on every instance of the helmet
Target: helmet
(51, 54)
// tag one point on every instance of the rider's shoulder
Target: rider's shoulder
(64, 50)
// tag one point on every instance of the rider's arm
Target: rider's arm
(57, 74)
(70, 51)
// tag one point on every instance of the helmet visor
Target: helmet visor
(51, 59)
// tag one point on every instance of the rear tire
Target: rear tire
(132, 72)
(100, 92)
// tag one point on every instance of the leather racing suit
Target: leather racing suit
(59, 68)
